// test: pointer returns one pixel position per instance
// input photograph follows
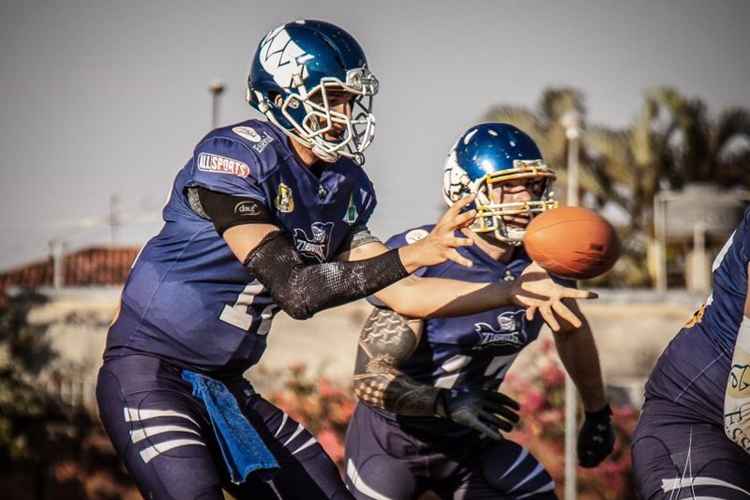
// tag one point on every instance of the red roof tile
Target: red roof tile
(86, 267)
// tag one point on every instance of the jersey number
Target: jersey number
(237, 314)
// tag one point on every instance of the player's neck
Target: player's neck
(497, 251)
(303, 153)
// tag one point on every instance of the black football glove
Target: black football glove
(596, 438)
(481, 410)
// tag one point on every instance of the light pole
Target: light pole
(571, 121)
(216, 88)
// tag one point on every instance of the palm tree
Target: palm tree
(671, 144)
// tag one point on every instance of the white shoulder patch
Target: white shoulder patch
(260, 141)
(415, 235)
(248, 133)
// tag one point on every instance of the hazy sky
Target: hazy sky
(108, 98)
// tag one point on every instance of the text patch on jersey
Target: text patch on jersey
(248, 133)
(249, 208)
(259, 141)
(315, 245)
(510, 331)
(217, 164)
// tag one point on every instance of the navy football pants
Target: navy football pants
(676, 457)
(164, 436)
(384, 462)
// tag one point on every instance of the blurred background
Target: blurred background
(646, 103)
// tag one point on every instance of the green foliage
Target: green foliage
(49, 448)
(672, 142)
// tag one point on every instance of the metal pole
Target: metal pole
(114, 218)
(216, 88)
(572, 124)
(661, 199)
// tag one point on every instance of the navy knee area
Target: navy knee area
(514, 472)
(381, 478)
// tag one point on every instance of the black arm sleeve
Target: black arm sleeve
(225, 210)
(304, 289)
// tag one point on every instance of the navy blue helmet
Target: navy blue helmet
(294, 70)
(488, 155)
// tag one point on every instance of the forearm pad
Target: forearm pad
(304, 289)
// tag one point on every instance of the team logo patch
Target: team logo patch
(217, 164)
(315, 246)
(415, 235)
(247, 208)
(284, 199)
(510, 331)
(351, 215)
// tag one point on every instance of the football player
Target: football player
(265, 215)
(693, 437)
(429, 415)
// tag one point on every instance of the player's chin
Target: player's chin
(517, 223)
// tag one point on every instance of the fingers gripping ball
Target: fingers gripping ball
(572, 242)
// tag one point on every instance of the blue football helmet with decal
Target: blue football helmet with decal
(485, 157)
(294, 70)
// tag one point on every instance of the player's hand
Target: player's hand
(536, 291)
(596, 438)
(441, 244)
(487, 412)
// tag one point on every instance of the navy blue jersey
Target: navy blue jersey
(188, 298)
(694, 369)
(474, 350)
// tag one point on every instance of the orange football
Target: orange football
(572, 242)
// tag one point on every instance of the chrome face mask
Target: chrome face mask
(358, 130)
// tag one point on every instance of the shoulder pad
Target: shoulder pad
(260, 140)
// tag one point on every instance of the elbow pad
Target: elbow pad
(304, 289)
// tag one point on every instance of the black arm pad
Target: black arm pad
(304, 289)
(227, 211)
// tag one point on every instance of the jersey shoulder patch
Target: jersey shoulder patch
(225, 165)
(260, 140)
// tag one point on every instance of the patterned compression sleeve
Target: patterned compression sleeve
(304, 289)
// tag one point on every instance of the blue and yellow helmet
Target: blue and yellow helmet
(295, 66)
(488, 155)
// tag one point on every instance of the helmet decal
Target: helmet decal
(283, 59)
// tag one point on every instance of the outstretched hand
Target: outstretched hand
(441, 244)
(536, 291)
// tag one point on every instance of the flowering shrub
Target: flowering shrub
(542, 430)
(321, 406)
(325, 409)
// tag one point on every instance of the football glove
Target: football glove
(487, 412)
(596, 438)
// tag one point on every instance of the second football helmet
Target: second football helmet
(488, 155)
(295, 68)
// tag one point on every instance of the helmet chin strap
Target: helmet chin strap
(324, 155)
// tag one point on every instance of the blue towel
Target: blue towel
(243, 449)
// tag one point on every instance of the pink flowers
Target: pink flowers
(325, 409)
